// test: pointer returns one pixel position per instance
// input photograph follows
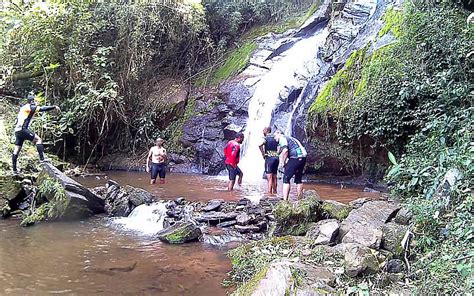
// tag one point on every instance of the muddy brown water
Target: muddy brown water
(97, 257)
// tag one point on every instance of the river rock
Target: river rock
(363, 225)
(324, 232)
(180, 201)
(357, 203)
(247, 228)
(243, 219)
(215, 217)
(179, 233)
(138, 196)
(295, 218)
(280, 278)
(213, 205)
(81, 201)
(120, 202)
(10, 189)
(335, 210)
(393, 234)
(226, 224)
(395, 266)
(311, 194)
(403, 216)
(359, 260)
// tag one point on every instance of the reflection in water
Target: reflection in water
(199, 187)
(85, 258)
(97, 257)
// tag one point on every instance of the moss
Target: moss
(393, 19)
(235, 62)
(336, 210)
(295, 218)
(250, 286)
(174, 132)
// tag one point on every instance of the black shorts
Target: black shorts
(158, 168)
(271, 165)
(233, 172)
(294, 167)
(22, 135)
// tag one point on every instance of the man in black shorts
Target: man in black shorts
(269, 149)
(22, 131)
(232, 158)
(293, 158)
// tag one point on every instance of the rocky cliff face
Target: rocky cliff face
(345, 27)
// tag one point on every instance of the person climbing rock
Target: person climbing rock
(293, 159)
(158, 157)
(22, 125)
(269, 149)
(232, 158)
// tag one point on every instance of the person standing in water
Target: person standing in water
(293, 159)
(22, 131)
(269, 149)
(232, 158)
(158, 158)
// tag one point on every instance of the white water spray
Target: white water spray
(298, 61)
(147, 219)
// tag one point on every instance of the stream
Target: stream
(100, 256)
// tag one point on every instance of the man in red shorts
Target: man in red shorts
(232, 157)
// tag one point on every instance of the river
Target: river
(97, 256)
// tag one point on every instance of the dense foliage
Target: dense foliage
(109, 65)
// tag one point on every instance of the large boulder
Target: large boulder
(359, 260)
(120, 202)
(283, 277)
(363, 225)
(393, 234)
(80, 202)
(335, 210)
(324, 232)
(180, 233)
(296, 218)
(10, 190)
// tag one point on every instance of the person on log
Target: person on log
(269, 149)
(158, 157)
(232, 158)
(22, 128)
(293, 160)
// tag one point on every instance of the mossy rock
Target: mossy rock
(295, 218)
(180, 233)
(335, 210)
(10, 187)
(392, 238)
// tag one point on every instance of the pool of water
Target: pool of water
(96, 256)
(199, 187)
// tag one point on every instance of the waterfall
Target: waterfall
(146, 219)
(288, 71)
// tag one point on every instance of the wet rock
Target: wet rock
(324, 232)
(180, 201)
(363, 225)
(243, 219)
(10, 189)
(247, 229)
(335, 210)
(226, 224)
(222, 239)
(81, 202)
(403, 216)
(395, 266)
(393, 234)
(368, 189)
(138, 196)
(295, 218)
(359, 260)
(262, 225)
(180, 233)
(256, 210)
(215, 217)
(244, 202)
(213, 205)
(357, 203)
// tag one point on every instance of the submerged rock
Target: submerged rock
(295, 218)
(180, 233)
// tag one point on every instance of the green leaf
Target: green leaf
(392, 158)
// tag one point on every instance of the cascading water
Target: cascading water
(146, 219)
(298, 62)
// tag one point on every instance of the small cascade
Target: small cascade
(146, 219)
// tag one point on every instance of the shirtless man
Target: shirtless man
(158, 158)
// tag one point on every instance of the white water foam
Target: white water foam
(299, 61)
(145, 219)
